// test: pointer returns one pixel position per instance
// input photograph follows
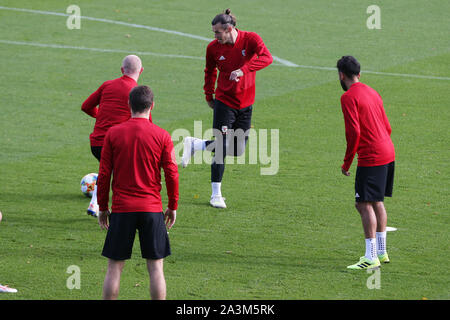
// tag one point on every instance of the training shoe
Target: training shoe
(217, 202)
(188, 151)
(92, 210)
(384, 258)
(365, 263)
(7, 289)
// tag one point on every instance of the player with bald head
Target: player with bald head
(132, 66)
(109, 106)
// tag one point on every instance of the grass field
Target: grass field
(284, 236)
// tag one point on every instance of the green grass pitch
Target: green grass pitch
(284, 236)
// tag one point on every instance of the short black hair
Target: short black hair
(349, 66)
(141, 99)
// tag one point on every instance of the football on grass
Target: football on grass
(88, 184)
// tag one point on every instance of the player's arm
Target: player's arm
(352, 130)
(262, 56)
(89, 106)
(210, 77)
(103, 182)
(171, 175)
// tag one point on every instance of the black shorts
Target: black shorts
(226, 118)
(153, 237)
(231, 124)
(372, 184)
(97, 152)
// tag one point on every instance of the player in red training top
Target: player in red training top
(109, 106)
(237, 55)
(368, 134)
(134, 153)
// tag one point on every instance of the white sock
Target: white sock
(371, 249)
(216, 188)
(199, 144)
(381, 242)
(94, 196)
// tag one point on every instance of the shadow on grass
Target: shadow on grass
(230, 258)
(22, 198)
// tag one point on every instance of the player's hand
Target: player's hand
(103, 219)
(170, 216)
(345, 173)
(234, 76)
(211, 104)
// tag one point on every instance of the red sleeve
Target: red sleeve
(170, 167)
(210, 75)
(90, 105)
(262, 57)
(352, 129)
(104, 174)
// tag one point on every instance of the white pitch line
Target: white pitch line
(283, 62)
(407, 75)
(59, 46)
(133, 25)
(62, 46)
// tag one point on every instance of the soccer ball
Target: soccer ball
(88, 184)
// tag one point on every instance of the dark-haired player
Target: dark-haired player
(134, 153)
(368, 134)
(237, 55)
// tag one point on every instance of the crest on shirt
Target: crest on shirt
(221, 58)
(224, 129)
(243, 53)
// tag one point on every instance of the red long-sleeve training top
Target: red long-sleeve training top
(112, 101)
(249, 54)
(367, 128)
(134, 153)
